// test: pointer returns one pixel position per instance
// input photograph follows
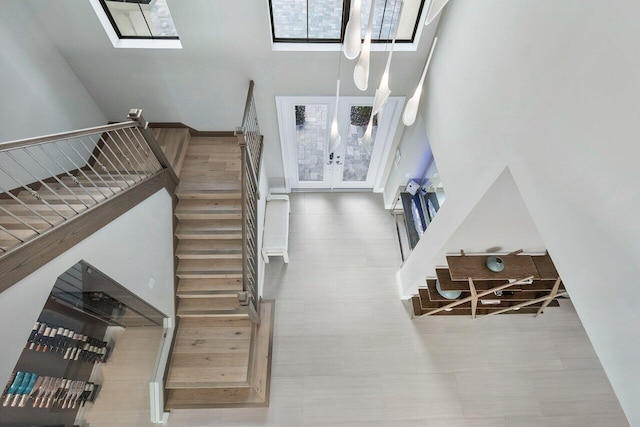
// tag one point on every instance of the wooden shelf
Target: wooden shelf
(475, 266)
(546, 268)
(469, 275)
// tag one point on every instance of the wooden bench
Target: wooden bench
(275, 240)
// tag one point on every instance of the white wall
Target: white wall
(40, 95)
(550, 89)
(415, 157)
(225, 43)
(40, 92)
(131, 249)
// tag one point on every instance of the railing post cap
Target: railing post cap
(238, 131)
(135, 113)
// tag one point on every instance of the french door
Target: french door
(357, 162)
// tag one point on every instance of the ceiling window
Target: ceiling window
(140, 19)
(324, 21)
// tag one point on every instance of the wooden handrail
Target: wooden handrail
(247, 105)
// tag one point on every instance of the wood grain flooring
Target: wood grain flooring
(347, 353)
(124, 397)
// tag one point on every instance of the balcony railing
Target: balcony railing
(45, 182)
(250, 141)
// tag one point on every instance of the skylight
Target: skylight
(323, 21)
(140, 19)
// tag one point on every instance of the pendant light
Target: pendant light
(367, 139)
(434, 10)
(361, 70)
(411, 109)
(383, 91)
(352, 34)
(334, 135)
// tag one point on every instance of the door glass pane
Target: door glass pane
(358, 155)
(311, 140)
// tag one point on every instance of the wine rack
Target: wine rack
(52, 378)
(69, 344)
(30, 389)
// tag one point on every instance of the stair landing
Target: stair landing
(221, 362)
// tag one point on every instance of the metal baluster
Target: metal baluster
(115, 168)
(142, 169)
(56, 178)
(10, 194)
(31, 190)
(79, 169)
(69, 173)
(102, 167)
(135, 143)
(93, 170)
(155, 164)
(115, 156)
(124, 155)
(128, 158)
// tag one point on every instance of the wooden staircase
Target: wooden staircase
(220, 358)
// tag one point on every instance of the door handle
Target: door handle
(330, 159)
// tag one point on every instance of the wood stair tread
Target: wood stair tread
(208, 303)
(188, 250)
(182, 193)
(227, 397)
(222, 285)
(208, 214)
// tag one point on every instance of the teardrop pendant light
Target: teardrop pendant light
(361, 70)
(434, 10)
(368, 133)
(352, 34)
(334, 136)
(411, 109)
(383, 91)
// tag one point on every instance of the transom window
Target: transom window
(324, 21)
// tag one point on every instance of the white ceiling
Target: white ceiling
(226, 43)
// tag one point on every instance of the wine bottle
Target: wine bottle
(42, 338)
(63, 394)
(20, 379)
(48, 339)
(33, 334)
(72, 346)
(51, 389)
(33, 389)
(38, 335)
(66, 343)
(24, 388)
(57, 340)
(44, 386)
(55, 392)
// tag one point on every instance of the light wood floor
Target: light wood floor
(124, 397)
(346, 352)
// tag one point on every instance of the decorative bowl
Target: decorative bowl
(495, 264)
(447, 294)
